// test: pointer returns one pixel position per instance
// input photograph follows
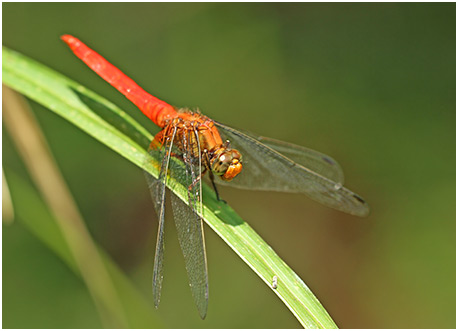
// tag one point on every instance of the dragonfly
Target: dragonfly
(190, 144)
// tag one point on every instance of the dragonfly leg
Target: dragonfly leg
(212, 176)
(212, 179)
(206, 160)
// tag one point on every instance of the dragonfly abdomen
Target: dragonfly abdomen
(155, 109)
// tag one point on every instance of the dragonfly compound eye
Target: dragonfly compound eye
(227, 164)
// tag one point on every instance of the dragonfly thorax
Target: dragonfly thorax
(198, 138)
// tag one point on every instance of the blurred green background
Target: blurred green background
(372, 85)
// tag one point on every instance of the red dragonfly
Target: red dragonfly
(203, 145)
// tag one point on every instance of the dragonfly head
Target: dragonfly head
(226, 163)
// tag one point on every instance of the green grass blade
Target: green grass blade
(114, 128)
(39, 220)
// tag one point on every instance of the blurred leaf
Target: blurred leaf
(32, 146)
(111, 126)
(37, 218)
(8, 209)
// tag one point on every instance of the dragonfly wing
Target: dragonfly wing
(157, 189)
(190, 234)
(189, 222)
(276, 166)
(313, 160)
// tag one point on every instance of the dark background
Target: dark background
(372, 85)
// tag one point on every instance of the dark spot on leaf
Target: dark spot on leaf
(358, 198)
(331, 162)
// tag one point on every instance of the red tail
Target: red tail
(157, 110)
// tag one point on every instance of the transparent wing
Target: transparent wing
(157, 190)
(189, 223)
(317, 162)
(271, 165)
